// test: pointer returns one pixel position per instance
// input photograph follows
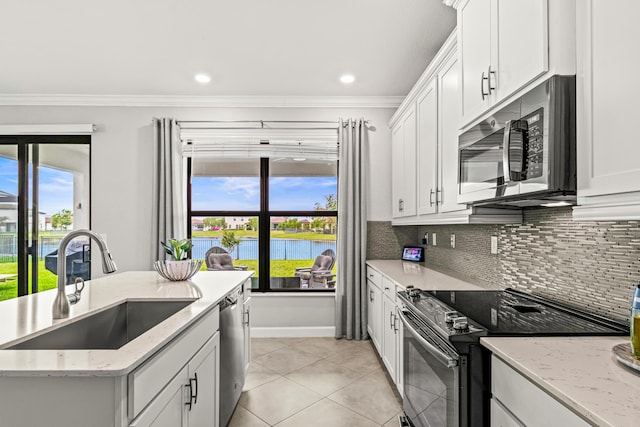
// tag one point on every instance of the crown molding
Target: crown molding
(65, 100)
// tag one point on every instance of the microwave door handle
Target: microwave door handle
(506, 152)
(447, 360)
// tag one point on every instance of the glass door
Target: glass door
(44, 193)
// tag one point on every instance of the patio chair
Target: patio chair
(319, 275)
(217, 258)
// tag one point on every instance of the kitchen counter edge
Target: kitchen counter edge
(29, 316)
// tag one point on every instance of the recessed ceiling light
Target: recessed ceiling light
(202, 78)
(347, 79)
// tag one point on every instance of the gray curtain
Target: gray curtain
(169, 214)
(351, 313)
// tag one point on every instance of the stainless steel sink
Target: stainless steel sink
(107, 330)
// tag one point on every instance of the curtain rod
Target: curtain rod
(263, 122)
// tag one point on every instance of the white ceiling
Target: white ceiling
(249, 47)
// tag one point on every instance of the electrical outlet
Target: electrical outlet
(494, 245)
(453, 241)
(433, 239)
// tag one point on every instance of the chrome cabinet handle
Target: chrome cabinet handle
(438, 199)
(482, 79)
(371, 295)
(489, 86)
(248, 316)
(391, 320)
(400, 205)
(431, 197)
(506, 154)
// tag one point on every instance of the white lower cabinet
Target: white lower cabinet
(516, 401)
(383, 324)
(390, 336)
(154, 394)
(190, 399)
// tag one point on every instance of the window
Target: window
(44, 193)
(275, 215)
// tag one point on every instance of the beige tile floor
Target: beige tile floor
(309, 382)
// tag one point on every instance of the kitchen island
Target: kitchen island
(113, 387)
(579, 372)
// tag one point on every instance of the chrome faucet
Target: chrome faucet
(61, 303)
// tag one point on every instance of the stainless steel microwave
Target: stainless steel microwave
(525, 153)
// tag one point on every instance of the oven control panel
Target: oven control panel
(439, 316)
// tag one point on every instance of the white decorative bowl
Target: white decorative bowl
(177, 270)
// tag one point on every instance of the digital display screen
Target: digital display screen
(412, 253)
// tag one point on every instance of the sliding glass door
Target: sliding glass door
(44, 193)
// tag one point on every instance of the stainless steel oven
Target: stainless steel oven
(434, 372)
(447, 372)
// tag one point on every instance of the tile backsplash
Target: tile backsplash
(588, 265)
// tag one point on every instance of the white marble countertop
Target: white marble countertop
(406, 273)
(580, 372)
(28, 316)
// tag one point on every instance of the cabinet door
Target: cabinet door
(404, 165)
(427, 110)
(474, 25)
(522, 44)
(389, 340)
(374, 314)
(168, 408)
(397, 159)
(449, 123)
(203, 386)
(607, 97)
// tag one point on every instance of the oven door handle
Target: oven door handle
(447, 360)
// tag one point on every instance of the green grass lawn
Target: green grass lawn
(46, 279)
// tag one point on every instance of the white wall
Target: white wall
(121, 182)
(121, 166)
(292, 315)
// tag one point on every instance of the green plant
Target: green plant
(177, 248)
(229, 240)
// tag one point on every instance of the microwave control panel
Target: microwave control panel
(534, 156)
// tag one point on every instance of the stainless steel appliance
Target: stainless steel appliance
(232, 367)
(447, 372)
(525, 153)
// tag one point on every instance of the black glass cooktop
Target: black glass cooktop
(512, 313)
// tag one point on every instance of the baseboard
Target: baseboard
(293, 332)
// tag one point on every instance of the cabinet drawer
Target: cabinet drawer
(374, 276)
(500, 417)
(389, 288)
(526, 401)
(150, 378)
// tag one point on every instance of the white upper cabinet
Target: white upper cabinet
(523, 45)
(607, 103)
(448, 124)
(427, 109)
(508, 46)
(474, 25)
(425, 150)
(403, 154)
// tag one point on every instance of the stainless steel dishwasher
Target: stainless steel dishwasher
(232, 371)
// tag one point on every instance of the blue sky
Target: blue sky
(56, 187)
(290, 193)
